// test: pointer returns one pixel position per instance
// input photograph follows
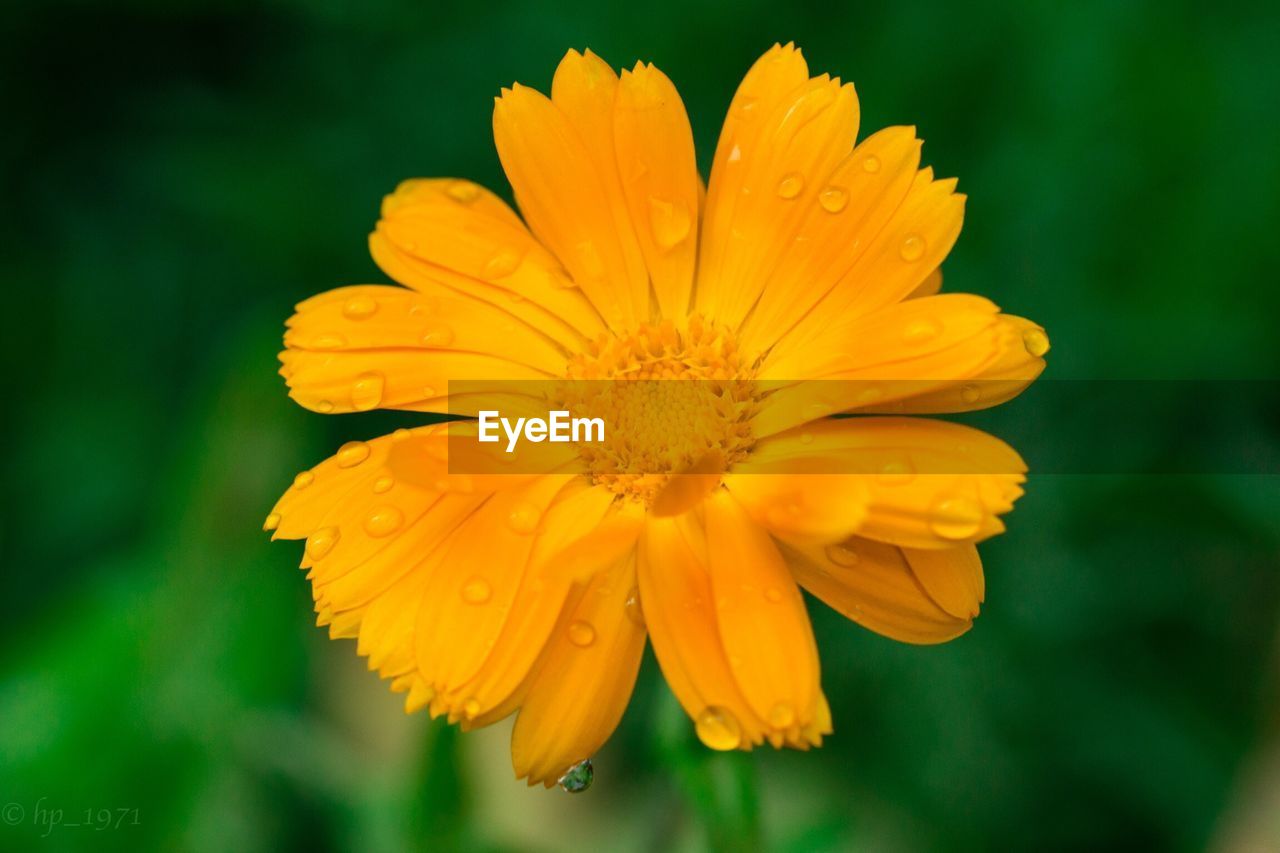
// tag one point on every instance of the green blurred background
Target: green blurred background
(178, 175)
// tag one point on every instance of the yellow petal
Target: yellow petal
(898, 259)
(583, 680)
(655, 159)
(443, 236)
(941, 350)
(475, 576)
(777, 175)
(952, 577)
(814, 507)
(575, 209)
(543, 589)
(872, 584)
(766, 85)
(931, 286)
(762, 619)
(930, 484)
(854, 204)
(698, 614)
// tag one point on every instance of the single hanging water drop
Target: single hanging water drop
(578, 778)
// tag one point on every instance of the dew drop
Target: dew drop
(400, 434)
(921, 330)
(471, 707)
(747, 104)
(790, 185)
(1036, 342)
(272, 522)
(577, 778)
(735, 154)
(328, 340)
(581, 634)
(524, 518)
(871, 164)
(366, 393)
(383, 521)
(306, 478)
(476, 591)
(437, 336)
(833, 199)
(324, 407)
(912, 248)
(970, 393)
(773, 594)
(633, 608)
(321, 542)
(670, 221)
(806, 438)
(383, 485)
(718, 728)
(352, 454)
(428, 392)
(360, 308)
(956, 517)
(502, 264)
(463, 191)
(842, 555)
(782, 716)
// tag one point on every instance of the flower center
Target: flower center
(656, 427)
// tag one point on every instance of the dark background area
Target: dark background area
(177, 176)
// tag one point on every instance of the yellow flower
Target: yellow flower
(809, 264)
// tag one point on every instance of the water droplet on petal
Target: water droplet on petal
(360, 308)
(272, 522)
(956, 517)
(306, 478)
(400, 434)
(463, 191)
(383, 521)
(1036, 342)
(437, 336)
(871, 164)
(428, 392)
(842, 555)
(670, 221)
(633, 607)
(735, 154)
(324, 407)
(577, 778)
(383, 485)
(806, 438)
(366, 393)
(912, 248)
(502, 264)
(747, 103)
(773, 594)
(970, 393)
(782, 716)
(718, 728)
(524, 518)
(352, 454)
(328, 340)
(791, 185)
(582, 634)
(921, 330)
(833, 199)
(321, 542)
(476, 591)
(471, 708)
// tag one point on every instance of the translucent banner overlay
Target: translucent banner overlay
(659, 427)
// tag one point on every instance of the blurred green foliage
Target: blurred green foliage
(178, 175)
